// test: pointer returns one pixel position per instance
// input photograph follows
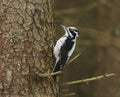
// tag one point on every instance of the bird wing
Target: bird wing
(71, 51)
(58, 46)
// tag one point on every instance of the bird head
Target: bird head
(71, 31)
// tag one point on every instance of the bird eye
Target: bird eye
(74, 31)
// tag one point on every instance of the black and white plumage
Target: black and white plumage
(65, 47)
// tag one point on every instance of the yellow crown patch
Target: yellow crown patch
(73, 28)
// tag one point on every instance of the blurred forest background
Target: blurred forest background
(99, 44)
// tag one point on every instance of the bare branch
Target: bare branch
(89, 79)
(49, 74)
(58, 72)
(74, 58)
(71, 94)
(65, 90)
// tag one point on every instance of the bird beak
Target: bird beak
(65, 28)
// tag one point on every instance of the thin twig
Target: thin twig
(58, 72)
(74, 58)
(65, 90)
(71, 94)
(88, 79)
(49, 74)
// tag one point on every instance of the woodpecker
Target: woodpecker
(64, 47)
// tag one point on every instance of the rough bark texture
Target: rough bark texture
(26, 32)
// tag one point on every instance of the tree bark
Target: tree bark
(26, 32)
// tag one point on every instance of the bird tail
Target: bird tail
(58, 67)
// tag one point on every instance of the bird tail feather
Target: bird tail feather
(58, 67)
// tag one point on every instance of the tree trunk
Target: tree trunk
(26, 32)
(108, 49)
